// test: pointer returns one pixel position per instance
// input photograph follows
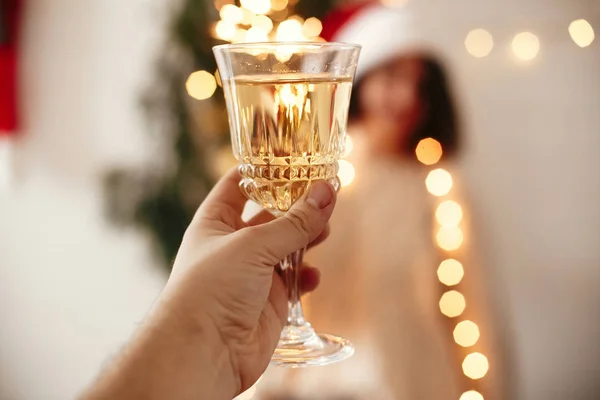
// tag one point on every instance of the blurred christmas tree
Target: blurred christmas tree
(186, 111)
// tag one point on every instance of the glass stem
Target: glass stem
(297, 330)
(290, 272)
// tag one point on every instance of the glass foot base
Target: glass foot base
(319, 349)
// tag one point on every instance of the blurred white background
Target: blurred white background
(73, 287)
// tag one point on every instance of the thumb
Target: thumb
(301, 225)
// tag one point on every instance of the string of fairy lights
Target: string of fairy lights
(450, 272)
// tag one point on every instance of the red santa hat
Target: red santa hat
(383, 32)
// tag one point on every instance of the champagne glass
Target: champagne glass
(288, 108)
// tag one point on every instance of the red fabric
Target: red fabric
(338, 18)
(11, 14)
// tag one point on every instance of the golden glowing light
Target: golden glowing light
(526, 46)
(225, 30)
(452, 304)
(346, 172)
(289, 30)
(429, 151)
(471, 395)
(479, 43)
(312, 27)
(262, 22)
(278, 5)
(256, 35)
(449, 213)
(282, 54)
(257, 6)
(475, 365)
(247, 16)
(449, 238)
(466, 333)
(201, 85)
(218, 78)
(348, 146)
(230, 13)
(581, 32)
(239, 36)
(439, 182)
(450, 272)
(298, 18)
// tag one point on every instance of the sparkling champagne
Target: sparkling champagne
(286, 132)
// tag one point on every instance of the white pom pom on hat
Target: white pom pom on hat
(383, 32)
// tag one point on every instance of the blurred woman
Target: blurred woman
(379, 286)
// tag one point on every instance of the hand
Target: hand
(223, 279)
(216, 324)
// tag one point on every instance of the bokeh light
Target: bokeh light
(452, 304)
(346, 172)
(475, 365)
(247, 16)
(257, 6)
(479, 43)
(449, 213)
(289, 30)
(256, 35)
(230, 13)
(239, 36)
(201, 85)
(283, 54)
(466, 333)
(348, 146)
(439, 182)
(312, 27)
(450, 272)
(278, 5)
(581, 32)
(526, 46)
(471, 395)
(262, 22)
(449, 238)
(429, 151)
(225, 30)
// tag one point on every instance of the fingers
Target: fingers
(309, 279)
(265, 216)
(301, 225)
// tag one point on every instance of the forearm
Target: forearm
(172, 357)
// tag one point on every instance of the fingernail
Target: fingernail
(320, 195)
